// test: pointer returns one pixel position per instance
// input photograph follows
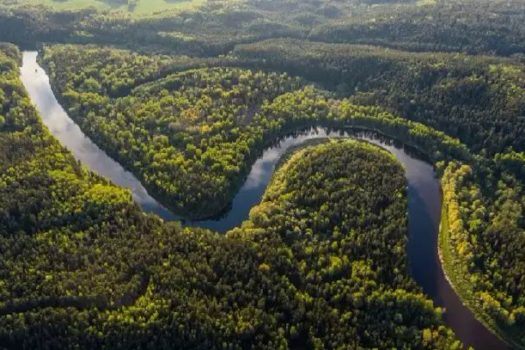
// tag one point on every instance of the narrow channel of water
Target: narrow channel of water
(424, 197)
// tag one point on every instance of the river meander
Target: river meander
(424, 197)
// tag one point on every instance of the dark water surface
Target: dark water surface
(424, 197)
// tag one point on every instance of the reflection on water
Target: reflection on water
(64, 129)
(424, 197)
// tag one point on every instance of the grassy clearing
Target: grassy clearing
(142, 7)
(426, 2)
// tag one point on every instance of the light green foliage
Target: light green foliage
(190, 123)
(116, 7)
(85, 266)
(329, 204)
(191, 136)
(207, 125)
(192, 133)
(214, 27)
(477, 99)
(485, 245)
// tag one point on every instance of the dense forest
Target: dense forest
(188, 99)
(482, 240)
(190, 113)
(192, 135)
(215, 27)
(478, 99)
(82, 266)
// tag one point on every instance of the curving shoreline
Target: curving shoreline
(424, 198)
(447, 263)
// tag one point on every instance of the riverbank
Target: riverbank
(457, 278)
(424, 194)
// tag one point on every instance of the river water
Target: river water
(424, 197)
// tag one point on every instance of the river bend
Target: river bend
(424, 197)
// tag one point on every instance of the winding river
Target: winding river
(424, 197)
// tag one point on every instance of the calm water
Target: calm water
(424, 197)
